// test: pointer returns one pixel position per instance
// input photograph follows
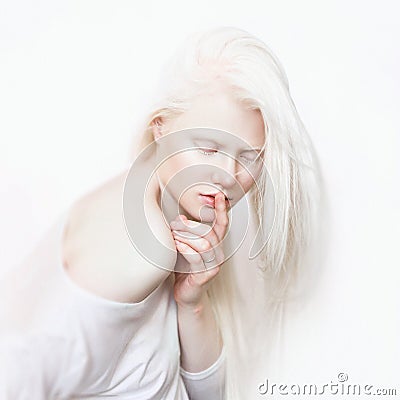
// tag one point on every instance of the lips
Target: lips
(210, 200)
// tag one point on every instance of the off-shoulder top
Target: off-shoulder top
(69, 343)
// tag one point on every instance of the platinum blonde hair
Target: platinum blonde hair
(249, 67)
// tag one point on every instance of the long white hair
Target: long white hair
(258, 80)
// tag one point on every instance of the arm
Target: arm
(202, 350)
(200, 339)
(57, 340)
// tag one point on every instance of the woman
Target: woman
(157, 291)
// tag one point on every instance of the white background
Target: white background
(74, 79)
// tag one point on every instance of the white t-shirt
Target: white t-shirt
(60, 341)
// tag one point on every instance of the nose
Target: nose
(225, 174)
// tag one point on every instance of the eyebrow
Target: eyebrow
(257, 149)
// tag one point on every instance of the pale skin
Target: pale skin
(198, 352)
(99, 256)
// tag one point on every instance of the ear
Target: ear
(157, 128)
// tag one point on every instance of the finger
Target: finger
(194, 230)
(194, 259)
(182, 221)
(202, 246)
(191, 256)
(222, 220)
(199, 276)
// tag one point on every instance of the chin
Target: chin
(199, 214)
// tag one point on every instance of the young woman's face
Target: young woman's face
(226, 157)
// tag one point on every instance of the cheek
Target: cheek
(258, 171)
(189, 168)
(247, 180)
(174, 165)
(176, 171)
(247, 183)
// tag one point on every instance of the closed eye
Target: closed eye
(252, 160)
(207, 151)
(247, 160)
(210, 152)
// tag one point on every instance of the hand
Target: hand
(198, 244)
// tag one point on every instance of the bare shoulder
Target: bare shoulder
(97, 252)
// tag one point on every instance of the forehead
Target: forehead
(217, 108)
